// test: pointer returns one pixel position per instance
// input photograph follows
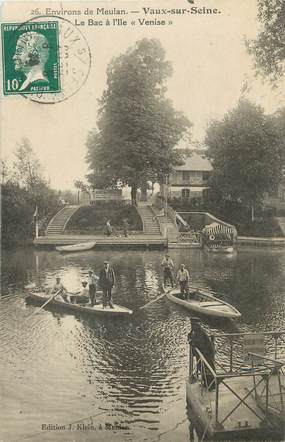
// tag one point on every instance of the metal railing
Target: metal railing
(232, 362)
(261, 377)
(192, 237)
(209, 378)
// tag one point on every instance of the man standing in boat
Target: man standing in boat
(168, 268)
(107, 282)
(183, 279)
(200, 340)
(92, 280)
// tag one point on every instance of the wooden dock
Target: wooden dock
(104, 242)
(248, 421)
(239, 399)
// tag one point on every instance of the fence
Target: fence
(261, 374)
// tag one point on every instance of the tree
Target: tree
(27, 168)
(138, 127)
(245, 152)
(268, 49)
(17, 214)
(24, 188)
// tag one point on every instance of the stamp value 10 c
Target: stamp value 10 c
(30, 55)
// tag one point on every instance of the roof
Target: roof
(195, 162)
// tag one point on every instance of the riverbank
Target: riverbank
(260, 241)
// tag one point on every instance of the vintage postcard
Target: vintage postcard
(143, 220)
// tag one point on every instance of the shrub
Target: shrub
(94, 218)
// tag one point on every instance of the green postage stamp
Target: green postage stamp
(30, 55)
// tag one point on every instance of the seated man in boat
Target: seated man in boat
(199, 340)
(83, 297)
(168, 268)
(183, 279)
(60, 290)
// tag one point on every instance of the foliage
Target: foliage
(268, 48)
(17, 214)
(94, 218)
(245, 152)
(27, 168)
(23, 189)
(138, 127)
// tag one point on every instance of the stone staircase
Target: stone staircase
(150, 224)
(58, 222)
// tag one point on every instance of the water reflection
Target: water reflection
(129, 371)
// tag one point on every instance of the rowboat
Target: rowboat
(200, 301)
(81, 247)
(220, 249)
(98, 309)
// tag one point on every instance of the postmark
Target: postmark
(74, 60)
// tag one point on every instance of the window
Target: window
(185, 176)
(206, 175)
(185, 193)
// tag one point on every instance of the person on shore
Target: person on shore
(83, 297)
(200, 340)
(125, 227)
(92, 285)
(108, 228)
(183, 279)
(60, 290)
(107, 282)
(168, 268)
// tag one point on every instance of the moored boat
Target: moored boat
(81, 247)
(220, 249)
(200, 301)
(98, 309)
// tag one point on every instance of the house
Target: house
(190, 181)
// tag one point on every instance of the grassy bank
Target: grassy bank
(92, 219)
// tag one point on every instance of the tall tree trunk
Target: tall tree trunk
(134, 189)
(144, 191)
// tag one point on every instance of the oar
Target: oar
(154, 300)
(53, 296)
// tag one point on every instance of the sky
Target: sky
(210, 64)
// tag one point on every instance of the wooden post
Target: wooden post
(280, 390)
(266, 395)
(217, 404)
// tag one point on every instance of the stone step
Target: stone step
(57, 223)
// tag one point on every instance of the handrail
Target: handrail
(214, 335)
(265, 358)
(218, 379)
(230, 363)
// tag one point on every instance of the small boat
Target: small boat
(200, 301)
(220, 249)
(98, 309)
(81, 247)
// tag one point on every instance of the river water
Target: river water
(69, 371)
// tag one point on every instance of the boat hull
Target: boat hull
(98, 309)
(208, 305)
(81, 247)
(220, 249)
